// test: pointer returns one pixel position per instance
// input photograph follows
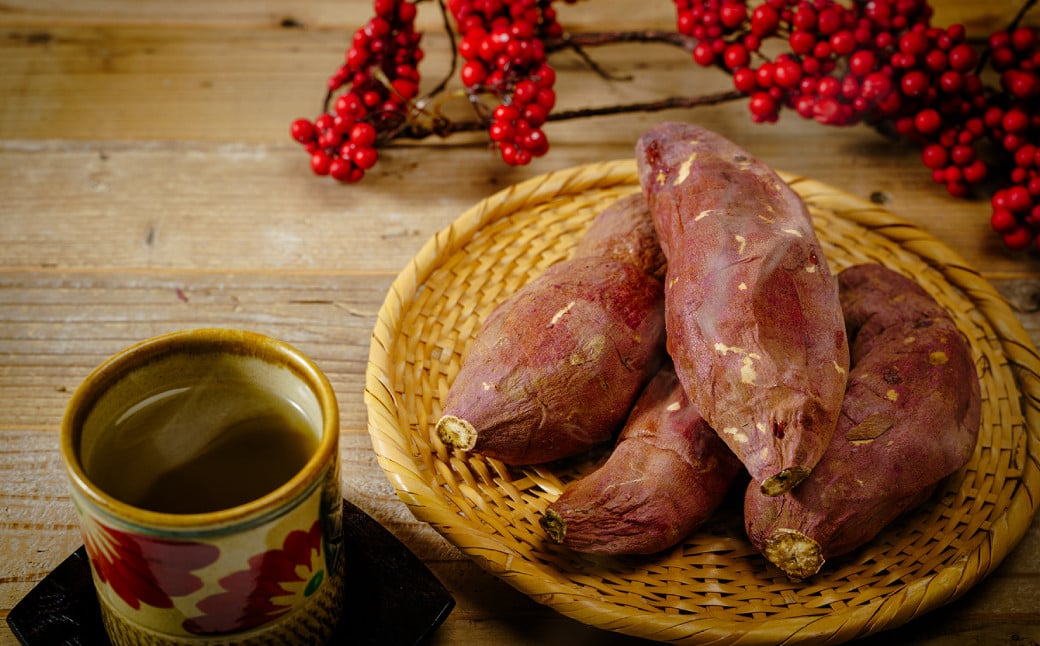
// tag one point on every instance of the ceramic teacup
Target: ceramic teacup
(204, 468)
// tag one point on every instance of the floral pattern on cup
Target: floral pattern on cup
(250, 596)
(131, 564)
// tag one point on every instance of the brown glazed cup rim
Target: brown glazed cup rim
(202, 340)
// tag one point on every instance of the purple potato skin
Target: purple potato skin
(910, 418)
(556, 367)
(625, 231)
(667, 474)
(751, 307)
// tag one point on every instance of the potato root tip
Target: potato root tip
(456, 432)
(782, 482)
(554, 525)
(796, 554)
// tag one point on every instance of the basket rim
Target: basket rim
(925, 594)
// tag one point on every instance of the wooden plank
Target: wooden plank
(39, 526)
(58, 326)
(127, 81)
(603, 14)
(177, 205)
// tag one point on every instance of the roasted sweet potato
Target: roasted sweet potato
(910, 418)
(667, 474)
(625, 231)
(751, 307)
(556, 367)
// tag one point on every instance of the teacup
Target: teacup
(204, 467)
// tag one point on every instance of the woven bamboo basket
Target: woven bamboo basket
(713, 587)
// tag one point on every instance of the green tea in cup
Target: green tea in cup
(202, 446)
(204, 467)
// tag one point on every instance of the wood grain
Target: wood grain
(148, 183)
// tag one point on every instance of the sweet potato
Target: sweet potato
(556, 367)
(909, 419)
(625, 231)
(751, 307)
(667, 474)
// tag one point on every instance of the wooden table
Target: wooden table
(148, 183)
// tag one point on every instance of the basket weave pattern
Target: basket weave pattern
(714, 587)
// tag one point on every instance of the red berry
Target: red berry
(363, 135)
(935, 60)
(905, 126)
(535, 143)
(1015, 121)
(914, 83)
(862, 62)
(324, 122)
(829, 21)
(406, 12)
(732, 15)
(802, 42)
(828, 86)
(951, 82)
(1023, 39)
(822, 49)
(927, 121)
(535, 114)
(962, 58)
(505, 113)
(827, 111)
(320, 163)
(843, 43)
(762, 107)
(703, 54)
(1023, 85)
(365, 158)
(957, 189)
(975, 172)
(876, 86)
(765, 74)
(1018, 239)
(744, 80)
(962, 155)
(804, 17)
(340, 168)
(473, 73)
(508, 153)
(302, 130)
(999, 40)
(546, 99)
(1018, 200)
(501, 131)
(787, 73)
(735, 56)
(764, 20)
(544, 76)
(913, 43)
(405, 88)
(523, 157)
(1025, 156)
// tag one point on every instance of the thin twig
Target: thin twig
(1023, 10)
(454, 51)
(598, 38)
(420, 131)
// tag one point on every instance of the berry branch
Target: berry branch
(878, 62)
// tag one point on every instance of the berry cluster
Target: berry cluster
(381, 78)
(502, 44)
(878, 62)
(882, 63)
(1015, 125)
